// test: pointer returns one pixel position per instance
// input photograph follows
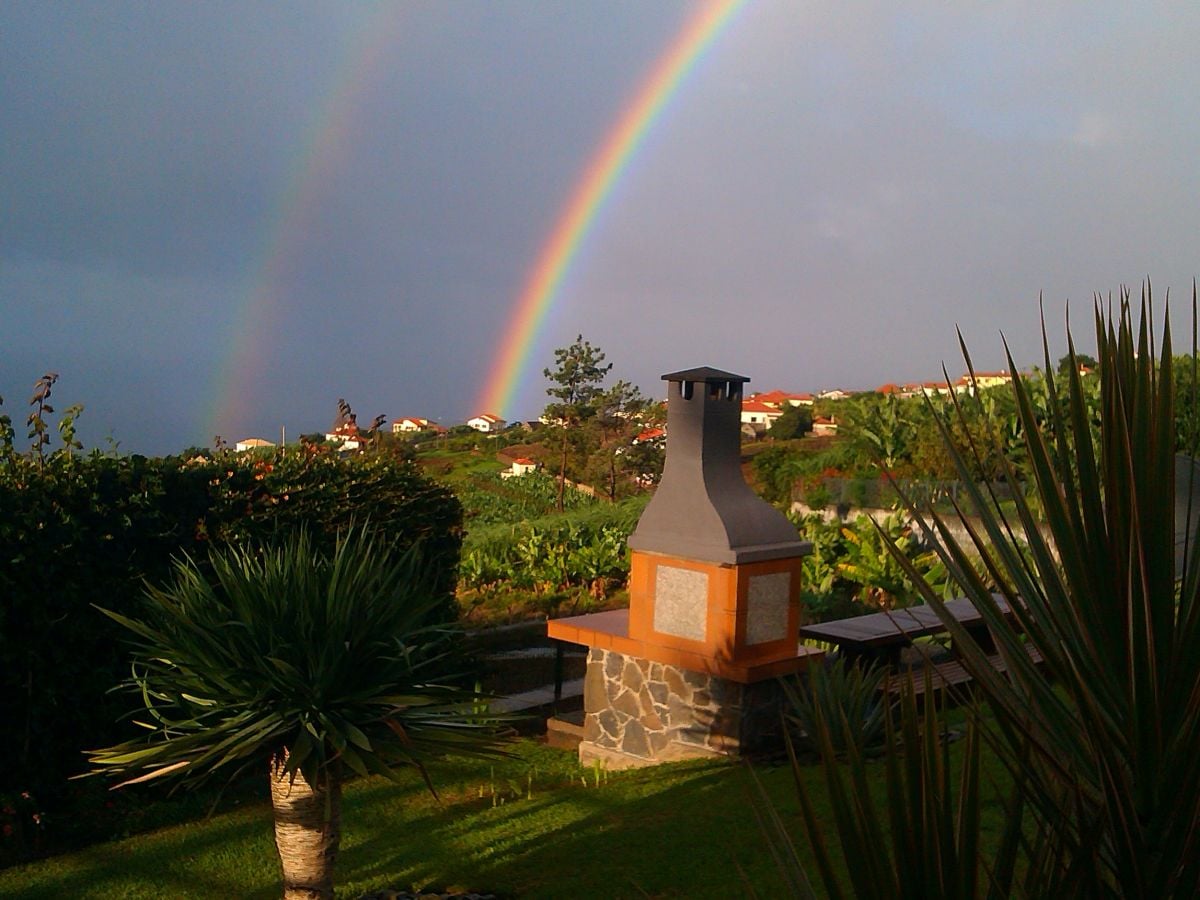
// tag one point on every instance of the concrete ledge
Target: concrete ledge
(615, 760)
(565, 731)
(538, 698)
(609, 630)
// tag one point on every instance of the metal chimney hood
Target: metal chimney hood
(703, 508)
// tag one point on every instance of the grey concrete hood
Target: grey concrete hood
(703, 508)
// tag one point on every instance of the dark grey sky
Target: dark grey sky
(834, 188)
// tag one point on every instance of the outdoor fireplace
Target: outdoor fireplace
(714, 607)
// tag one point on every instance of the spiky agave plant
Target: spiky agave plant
(306, 665)
(1101, 740)
(1104, 736)
(923, 839)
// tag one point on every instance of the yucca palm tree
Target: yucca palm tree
(308, 666)
(1102, 739)
(1105, 732)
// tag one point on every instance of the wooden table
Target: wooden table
(882, 635)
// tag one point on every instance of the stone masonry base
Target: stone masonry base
(639, 712)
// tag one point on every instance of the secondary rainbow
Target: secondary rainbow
(332, 131)
(603, 171)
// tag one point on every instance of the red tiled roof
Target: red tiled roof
(772, 397)
(649, 434)
(757, 406)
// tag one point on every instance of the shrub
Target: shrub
(79, 531)
(846, 696)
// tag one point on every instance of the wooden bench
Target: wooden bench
(881, 636)
(946, 675)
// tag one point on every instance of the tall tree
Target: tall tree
(795, 422)
(1082, 361)
(619, 419)
(576, 384)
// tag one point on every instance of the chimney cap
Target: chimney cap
(706, 374)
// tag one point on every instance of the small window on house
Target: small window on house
(686, 388)
(734, 391)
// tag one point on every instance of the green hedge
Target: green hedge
(77, 531)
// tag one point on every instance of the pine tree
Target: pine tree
(576, 384)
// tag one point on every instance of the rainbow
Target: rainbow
(331, 131)
(603, 171)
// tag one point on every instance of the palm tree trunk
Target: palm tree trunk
(307, 839)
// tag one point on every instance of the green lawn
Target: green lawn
(683, 830)
(528, 827)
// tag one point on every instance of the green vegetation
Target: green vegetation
(536, 825)
(885, 442)
(308, 665)
(538, 565)
(594, 428)
(538, 545)
(1097, 729)
(842, 693)
(1075, 776)
(488, 499)
(795, 422)
(931, 832)
(575, 386)
(854, 568)
(81, 531)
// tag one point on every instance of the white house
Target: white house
(758, 415)
(780, 399)
(937, 389)
(983, 380)
(487, 423)
(407, 426)
(251, 444)
(824, 426)
(520, 466)
(346, 436)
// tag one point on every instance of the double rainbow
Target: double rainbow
(333, 127)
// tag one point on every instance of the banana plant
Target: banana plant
(882, 581)
(819, 568)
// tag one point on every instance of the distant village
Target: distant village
(759, 412)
